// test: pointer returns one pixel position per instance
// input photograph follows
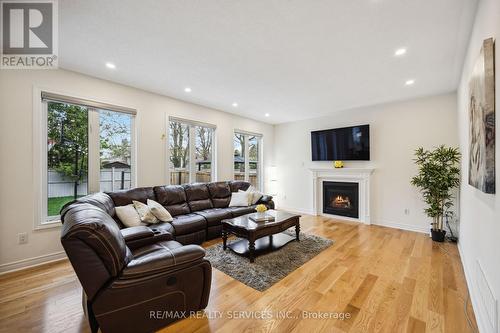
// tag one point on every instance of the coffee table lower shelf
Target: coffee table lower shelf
(262, 245)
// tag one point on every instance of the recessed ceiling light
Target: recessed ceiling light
(267, 115)
(409, 82)
(187, 89)
(235, 105)
(110, 65)
(400, 52)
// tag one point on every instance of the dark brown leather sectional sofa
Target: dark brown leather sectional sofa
(142, 278)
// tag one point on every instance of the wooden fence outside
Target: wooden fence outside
(179, 177)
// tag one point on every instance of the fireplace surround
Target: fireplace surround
(360, 176)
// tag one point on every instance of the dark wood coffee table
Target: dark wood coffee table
(260, 237)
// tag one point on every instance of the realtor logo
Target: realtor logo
(28, 34)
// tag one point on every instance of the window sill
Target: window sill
(48, 225)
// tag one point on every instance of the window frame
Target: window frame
(260, 160)
(40, 170)
(192, 124)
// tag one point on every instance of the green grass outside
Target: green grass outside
(54, 205)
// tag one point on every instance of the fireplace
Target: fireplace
(341, 198)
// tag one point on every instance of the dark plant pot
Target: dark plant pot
(438, 235)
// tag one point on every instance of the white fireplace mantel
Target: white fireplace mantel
(355, 175)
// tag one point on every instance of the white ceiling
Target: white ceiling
(289, 58)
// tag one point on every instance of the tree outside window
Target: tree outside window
(185, 138)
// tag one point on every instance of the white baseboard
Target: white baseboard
(31, 262)
(402, 226)
(379, 222)
(296, 210)
(475, 298)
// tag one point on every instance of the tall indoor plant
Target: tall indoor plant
(438, 174)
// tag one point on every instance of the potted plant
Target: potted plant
(438, 174)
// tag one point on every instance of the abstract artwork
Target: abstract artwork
(482, 120)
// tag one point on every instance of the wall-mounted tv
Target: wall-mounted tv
(341, 144)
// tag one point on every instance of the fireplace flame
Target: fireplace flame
(342, 202)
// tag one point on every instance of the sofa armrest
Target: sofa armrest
(139, 236)
(134, 233)
(266, 200)
(171, 256)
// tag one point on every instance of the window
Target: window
(203, 153)
(115, 153)
(191, 151)
(67, 155)
(86, 148)
(247, 158)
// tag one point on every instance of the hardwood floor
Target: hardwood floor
(387, 280)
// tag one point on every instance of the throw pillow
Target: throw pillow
(145, 213)
(256, 195)
(249, 195)
(159, 211)
(128, 215)
(239, 199)
(253, 195)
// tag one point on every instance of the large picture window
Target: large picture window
(191, 152)
(86, 149)
(247, 158)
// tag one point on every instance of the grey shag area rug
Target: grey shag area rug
(268, 268)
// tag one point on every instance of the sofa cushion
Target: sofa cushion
(237, 185)
(125, 197)
(185, 224)
(220, 193)
(198, 196)
(214, 216)
(197, 237)
(238, 211)
(173, 198)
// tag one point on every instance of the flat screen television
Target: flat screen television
(341, 144)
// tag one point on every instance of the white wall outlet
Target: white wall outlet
(22, 238)
(407, 211)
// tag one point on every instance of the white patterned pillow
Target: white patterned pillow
(159, 211)
(145, 213)
(128, 215)
(239, 199)
(256, 195)
(253, 195)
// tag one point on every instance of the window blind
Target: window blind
(51, 97)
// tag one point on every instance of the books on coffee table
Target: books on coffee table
(261, 217)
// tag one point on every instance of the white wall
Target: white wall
(16, 148)
(396, 130)
(480, 212)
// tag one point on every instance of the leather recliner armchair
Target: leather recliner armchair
(136, 279)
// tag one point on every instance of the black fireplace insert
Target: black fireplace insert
(341, 198)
